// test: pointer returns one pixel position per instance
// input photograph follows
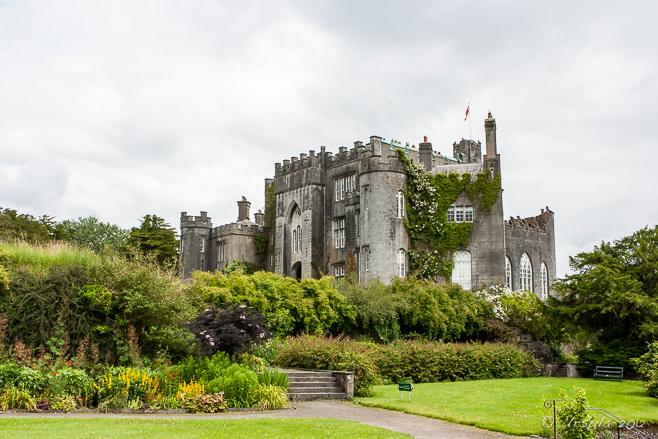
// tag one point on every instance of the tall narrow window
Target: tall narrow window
(203, 244)
(544, 282)
(401, 206)
(299, 238)
(366, 258)
(344, 185)
(508, 273)
(402, 263)
(525, 270)
(461, 269)
(339, 233)
(294, 241)
(366, 198)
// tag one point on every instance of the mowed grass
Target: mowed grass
(513, 406)
(32, 427)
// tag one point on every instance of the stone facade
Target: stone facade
(328, 207)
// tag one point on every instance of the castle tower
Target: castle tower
(194, 242)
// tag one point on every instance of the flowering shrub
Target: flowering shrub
(134, 384)
(647, 365)
(231, 330)
(205, 403)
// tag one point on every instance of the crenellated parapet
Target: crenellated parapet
(238, 228)
(542, 223)
(201, 221)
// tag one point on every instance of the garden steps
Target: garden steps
(312, 385)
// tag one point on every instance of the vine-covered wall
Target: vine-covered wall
(432, 238)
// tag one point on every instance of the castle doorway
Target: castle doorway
(297, 271)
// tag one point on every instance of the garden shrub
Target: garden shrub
(612, 353)
(65, 302)
(269, 396)
(575, 420)
(427, 362)
(16, 398)
(237, 382)
(8, 374)
(205, 403)
(274, 377)
(231, 330)
(647, 365)
(312, 305)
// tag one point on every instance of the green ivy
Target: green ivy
(432, 237)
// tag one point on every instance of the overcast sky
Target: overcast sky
(124, 108)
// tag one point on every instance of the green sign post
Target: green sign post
(405, 387)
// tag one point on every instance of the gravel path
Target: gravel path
(417, 426)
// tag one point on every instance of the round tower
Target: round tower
(195, 242)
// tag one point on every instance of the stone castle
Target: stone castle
(322, 207)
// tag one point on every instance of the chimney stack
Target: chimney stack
(243, 210)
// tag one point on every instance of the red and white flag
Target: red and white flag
(469, 106)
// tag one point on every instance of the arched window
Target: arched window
(366, 258)
(401, 207)
(525, 269)
(294, 241)
(299, 238)
(461, 269)
(544, 282)
(508, 273)
(402, 263)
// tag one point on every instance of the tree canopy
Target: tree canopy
(155, 238)
(612, 298)
(92, 233)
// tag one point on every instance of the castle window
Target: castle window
(525, 268)
(339, 233)
(366, 258)
(203, 244)
(344, 185)
(461, 269)
(339, 271)
(366, 197)
(400, 204)
(299, 238)
(543, 272)
(460, 214)
(508, 273)
(402, 263)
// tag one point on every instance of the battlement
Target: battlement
(237, 228)
(195, 221)
(540, 223)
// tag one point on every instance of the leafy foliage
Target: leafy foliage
(613, 294)
(92, 233)
(231, 330)
(23, 226)
(647, 365)
(576, 421)
(312, 305)
(155, 239)
(238, 384)
(269, 396)
(67, 301)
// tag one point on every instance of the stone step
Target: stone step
(308, 379)
(314, 396)
(309, 374)
(336, 389)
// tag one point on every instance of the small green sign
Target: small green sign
(405, 387)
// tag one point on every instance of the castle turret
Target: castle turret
(194, 242)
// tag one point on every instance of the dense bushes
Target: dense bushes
(422, 361)
(647, 365)
(411, 307)
(312, 306)
(66, 302)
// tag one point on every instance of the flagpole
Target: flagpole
(470, 133)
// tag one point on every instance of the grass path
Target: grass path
(513, 406)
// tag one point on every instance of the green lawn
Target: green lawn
(18, 428)
(512, 406)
